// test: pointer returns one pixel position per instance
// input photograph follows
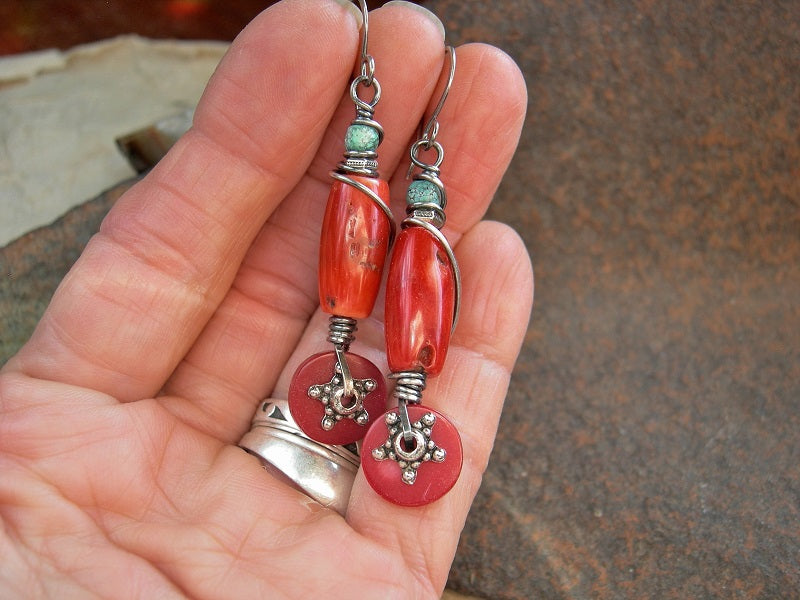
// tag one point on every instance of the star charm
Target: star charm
(409, 459)
(337, 405)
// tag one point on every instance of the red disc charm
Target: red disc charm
(318, 403)
(417, 473)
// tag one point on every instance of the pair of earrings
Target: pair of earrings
(411, 454)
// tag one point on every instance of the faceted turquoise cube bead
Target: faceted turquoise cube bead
(361, 138)
(423, 192)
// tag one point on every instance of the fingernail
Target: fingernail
(354, 10)
(421, 10)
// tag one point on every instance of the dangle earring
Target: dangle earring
(334, 396)
(412, 455)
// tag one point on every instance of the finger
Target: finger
(166, 254)
(235, 362)
(498, 292)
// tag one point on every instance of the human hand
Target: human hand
(119, 419)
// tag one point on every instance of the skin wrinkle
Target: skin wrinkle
(57, 563)
(262, 332)
(199, 379)
(482, 340)
(242, 391)
(67, 344)
(281, 236)
(274, 179)
(185, 269)
(243, 322)
(156, 457)
(239, 177)
(16, 385)
(295, 300)
(282, 222)
(218, 541)
(238, 152)
(196, 298)
(70, 345)
(421, 569)
(207, 227)
(419, 564)
(32, 585)
(473, 349)
(307, 198)
(289, 307)
(169, 178)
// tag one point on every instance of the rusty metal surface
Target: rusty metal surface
(650, 443)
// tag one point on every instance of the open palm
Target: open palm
(120, 475)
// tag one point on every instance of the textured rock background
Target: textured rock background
(650, 444)
(651, 438)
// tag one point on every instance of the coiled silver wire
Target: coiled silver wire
(408, 390)
(341, 331)
(409, 385)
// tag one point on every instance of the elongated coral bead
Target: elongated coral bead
(353, 247)
(420, 299)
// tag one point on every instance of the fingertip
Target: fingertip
(498, 291)
(353, 10)
(495, 73)
(505, 68)
(429, 18)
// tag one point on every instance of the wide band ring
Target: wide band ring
(322, 472)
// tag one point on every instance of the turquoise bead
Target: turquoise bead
(361, 138)
(423, 192)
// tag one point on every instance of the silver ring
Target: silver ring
(321, 471)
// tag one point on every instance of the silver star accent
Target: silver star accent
(331, 394)
(409, 460)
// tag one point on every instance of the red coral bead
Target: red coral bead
(353, 248)
(420, 300)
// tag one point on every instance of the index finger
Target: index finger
(150, 279)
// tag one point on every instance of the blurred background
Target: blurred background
(650, 442)
(37, 24)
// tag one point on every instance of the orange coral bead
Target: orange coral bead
(420, 300)
(353, 247)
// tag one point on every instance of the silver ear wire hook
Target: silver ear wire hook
(427, 136)
(432, 128)
(367, 62)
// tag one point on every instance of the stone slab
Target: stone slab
(60, 113)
